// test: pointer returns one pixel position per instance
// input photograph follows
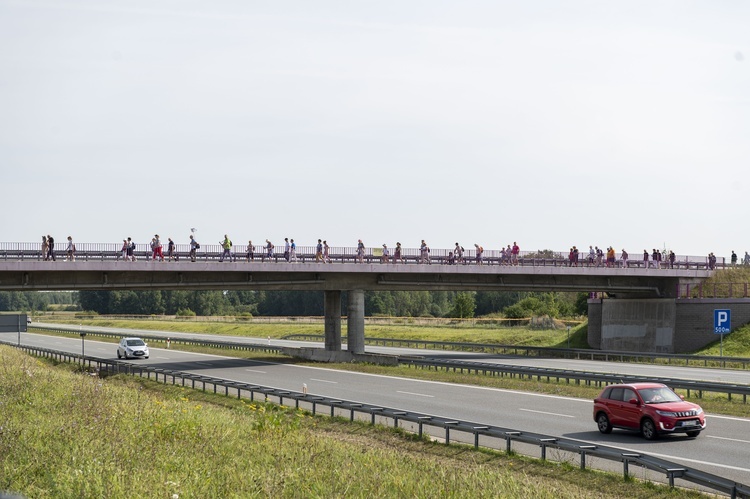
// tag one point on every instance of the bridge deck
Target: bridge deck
(212, 274)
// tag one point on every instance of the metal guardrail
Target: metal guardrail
(669, 469)
(532, 351)
(598, 379)
(227, 345)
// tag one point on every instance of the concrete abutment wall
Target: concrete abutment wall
(659, 325)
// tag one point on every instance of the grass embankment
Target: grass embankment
(65, 434)
(473, 334)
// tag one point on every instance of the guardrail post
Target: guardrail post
(372, 414)
(419, 420)
(626, 457)
(395, 418)
(448, 431)
(674, 472)
(544, 442)
(584, 448)
(476, 434)
(508, 438)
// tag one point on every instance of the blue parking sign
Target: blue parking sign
(722, 321)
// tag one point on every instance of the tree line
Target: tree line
(463, 304)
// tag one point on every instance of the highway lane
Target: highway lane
(722, 449)
(657, 371)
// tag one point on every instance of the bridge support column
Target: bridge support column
(333, 320)
(355, 323)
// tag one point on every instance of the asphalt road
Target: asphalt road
(723, 448)
(660, 371)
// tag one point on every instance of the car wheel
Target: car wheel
(146, 357)
(648, 429)
(118, 355)
(602, 421)
(693, 434)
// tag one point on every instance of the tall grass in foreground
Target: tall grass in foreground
(66, 434)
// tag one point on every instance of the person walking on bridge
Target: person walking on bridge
(326, 252)
(319, 252)
(610, 257)
(45, 248)
(51, 250)
(250, 255)
(514, 252)
(226, 245)
(157, 248)
(624, 258)
(269, 249)
(194, 246)
(71, 251)
(360, 251)
(424, 253)
(170, 250)
(397, 254)
(458, 253)
(286, 249)
(131, 250)
(479, 254)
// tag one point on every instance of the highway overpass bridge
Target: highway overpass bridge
(640, 312)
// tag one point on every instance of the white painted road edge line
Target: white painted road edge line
(255, 371)
(325, 381)
(416, 394)
(548, 413)
(730, 439)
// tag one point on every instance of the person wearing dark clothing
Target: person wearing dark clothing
(51, 242)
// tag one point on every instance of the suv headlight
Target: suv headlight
(681, 414)
(668, 414)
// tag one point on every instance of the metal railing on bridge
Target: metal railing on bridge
(338, 254)
(418, 422)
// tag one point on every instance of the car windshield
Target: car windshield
(135, 343)
(659, 395)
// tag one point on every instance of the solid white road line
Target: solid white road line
(548, 413)
(325, 381)
(730, 439)
(255, 371)
(416, 394)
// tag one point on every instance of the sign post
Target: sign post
(722, 324)
(14, 323)
(83, 346)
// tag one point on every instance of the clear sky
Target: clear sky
(550, 123)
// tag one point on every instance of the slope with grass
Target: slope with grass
(69, 434)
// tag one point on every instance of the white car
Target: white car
(132, 348)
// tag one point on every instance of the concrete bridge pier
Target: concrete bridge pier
(355, 323)
(332, 310)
